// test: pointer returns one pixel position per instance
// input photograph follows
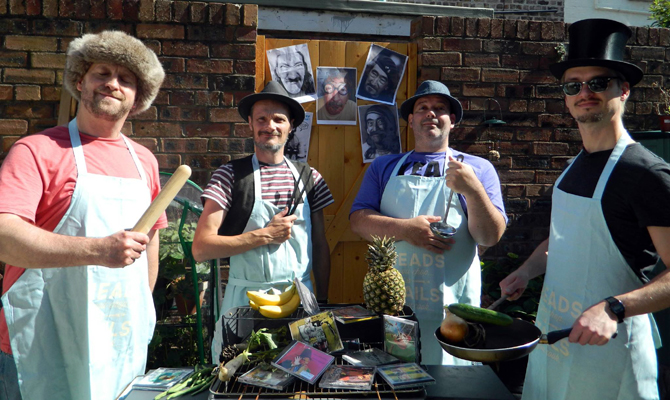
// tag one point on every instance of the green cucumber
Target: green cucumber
(476, 314)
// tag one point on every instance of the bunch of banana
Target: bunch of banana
(275, 305)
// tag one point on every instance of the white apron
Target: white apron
(433, 280)
(81, 333)
(273, 265)
(584, 267)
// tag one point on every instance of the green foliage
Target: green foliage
(174, 345)
(660, 13)
(174, 265)
(493, 271)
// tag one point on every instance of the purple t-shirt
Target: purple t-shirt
(423, 164)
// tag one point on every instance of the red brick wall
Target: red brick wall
(508, 60)
(207, 49)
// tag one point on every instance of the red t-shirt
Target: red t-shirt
(38, 176)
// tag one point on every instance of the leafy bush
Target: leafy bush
(660, 13)
(493, 271)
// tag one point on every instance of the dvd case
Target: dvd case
(347, 377)
(405, 375)
(319, 331)
(303, 361)
(356, 313)
(401, 338)
(267, 376)
(369, 358)
(162, 378)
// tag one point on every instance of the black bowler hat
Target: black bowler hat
(272, 91)
(432, 87)
(598, 43)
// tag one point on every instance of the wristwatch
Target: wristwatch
(617, 308)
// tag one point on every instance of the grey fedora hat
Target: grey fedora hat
(272, 91)
(432, 87)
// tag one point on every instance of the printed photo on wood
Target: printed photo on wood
(336, 102)
(382, 75)
(380, 132)
(297, 146)
(292, 67)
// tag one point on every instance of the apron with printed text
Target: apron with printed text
(81, 333)
(584, 266)
(272, 265)
(433, 280)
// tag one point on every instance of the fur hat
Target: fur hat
(116, 48)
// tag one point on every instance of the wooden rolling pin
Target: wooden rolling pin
(162, 201)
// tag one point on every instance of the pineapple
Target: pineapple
(383, 286)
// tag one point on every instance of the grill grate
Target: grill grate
(240, 321)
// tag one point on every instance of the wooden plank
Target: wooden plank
(341, 221)
(331, 154)
(402, 87)
(67, 103)
(354, 268)
(336, 284)
(260, 62)
(412, 71)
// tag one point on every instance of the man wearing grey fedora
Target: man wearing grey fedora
(610, 224)
(402, 194)
(265, 211)
(77, 311)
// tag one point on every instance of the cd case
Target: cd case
(162, 378)
(369, 358)
(267, 376)
(348, 377)
(319, 331)
(401, 338)
(405, 375)
(303, 361)
(357, 313)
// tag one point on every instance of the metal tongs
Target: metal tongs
(442, 229)
(294, 201)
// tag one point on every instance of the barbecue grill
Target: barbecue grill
(240, 321)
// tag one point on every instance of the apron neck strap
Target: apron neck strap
(611, 162)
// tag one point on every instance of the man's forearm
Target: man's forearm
(24, 245)
(367, 222)
(485, 222)
(652, 297)
(536, 264)
(215, 246)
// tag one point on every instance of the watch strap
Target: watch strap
(617, 308)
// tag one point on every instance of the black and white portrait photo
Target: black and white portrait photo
(380, 134)
(291, 66)
(336, 102)
(297, 146)
(381, 78)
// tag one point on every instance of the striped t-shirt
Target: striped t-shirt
(277, 184)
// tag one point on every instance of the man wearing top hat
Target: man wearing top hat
(401, 194)
(610, 220)
(264, 211)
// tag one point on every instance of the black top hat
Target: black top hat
(598, 43)
(432, 87)
(272, 91)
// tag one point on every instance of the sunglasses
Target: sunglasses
(596, 85)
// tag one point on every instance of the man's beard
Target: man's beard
(335, 107)
(102, 110)
(270, 147)
(590, 118)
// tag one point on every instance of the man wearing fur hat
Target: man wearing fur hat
(610, 222)
(77, 308)
(264, 211)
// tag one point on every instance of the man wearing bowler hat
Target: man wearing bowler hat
(264, 211)
(402, 194)
(610, 222)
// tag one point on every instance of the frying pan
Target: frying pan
(504, 343)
